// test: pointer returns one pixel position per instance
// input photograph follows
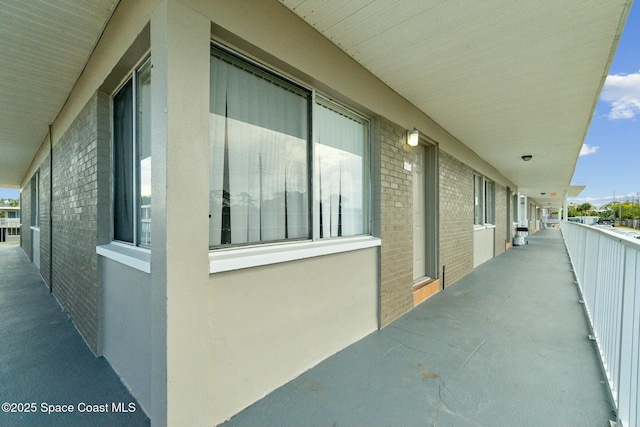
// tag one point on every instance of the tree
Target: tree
(627, 209)
(584, 209)
(9, 202)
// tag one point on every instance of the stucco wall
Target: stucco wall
(269, 324)
(483, 245)
(127, 326)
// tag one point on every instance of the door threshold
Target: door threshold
(423, 289)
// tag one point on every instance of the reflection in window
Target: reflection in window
(261, 156)
(477, 199)
(144, 156)
(489, 202)
(132, 159)
(339, 171)
(259, 180)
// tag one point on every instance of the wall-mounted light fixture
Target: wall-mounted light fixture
(412, 137)
(527, 157)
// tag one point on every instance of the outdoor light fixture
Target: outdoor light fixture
(412, 137)
(527, 157)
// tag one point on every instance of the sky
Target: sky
(6, 193)
(609, 161)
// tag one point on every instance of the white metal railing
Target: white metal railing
(607, 267)
(145, 232)
(10, 222)
(145, 225)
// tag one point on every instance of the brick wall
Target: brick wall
(456, 218)
(45, 231)
(75, 224)
(501, 218)
(394, 203)
(25, 217)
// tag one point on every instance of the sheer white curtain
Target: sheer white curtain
(258, 159)
(339, 169)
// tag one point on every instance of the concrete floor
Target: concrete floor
(505, 346)
(44, 361)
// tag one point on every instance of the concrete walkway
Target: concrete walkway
(44, 363)
(505, 346)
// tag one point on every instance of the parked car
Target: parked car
(606, 222)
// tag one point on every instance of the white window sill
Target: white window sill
(255, 256)
(132, 256)
(483, 227)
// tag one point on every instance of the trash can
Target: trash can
(521, 236)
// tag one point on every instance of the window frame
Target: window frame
(314, 99)
(485, 202)
(478, 200)
(326, 102)
(489, 202)
(35, 200)
(133, 77)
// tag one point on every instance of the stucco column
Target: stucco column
(180, 52)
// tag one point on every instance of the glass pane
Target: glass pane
(477, 194)
(339, 172)
(144, 154)
(259, 157)
(489, 202)
(123, 164)
(35, 200)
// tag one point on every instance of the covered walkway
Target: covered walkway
(45, 364)
(505, 346)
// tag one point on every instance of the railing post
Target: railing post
(629, 365)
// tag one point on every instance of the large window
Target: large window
(132, 159)
(262, 188)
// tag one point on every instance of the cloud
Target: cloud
(603, 200)
(622, 92)
(588, 149)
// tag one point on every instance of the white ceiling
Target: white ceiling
(507, 78)
(44, 46)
